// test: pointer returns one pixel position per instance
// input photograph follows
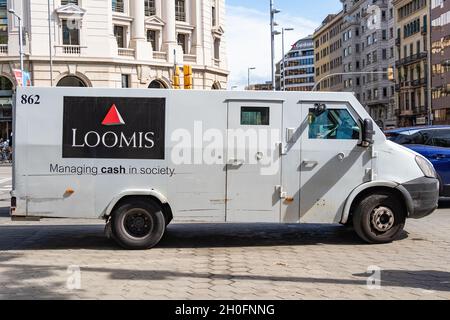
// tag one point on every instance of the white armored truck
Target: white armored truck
(139, 159)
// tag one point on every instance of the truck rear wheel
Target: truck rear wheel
(138, 224)
(379, 218)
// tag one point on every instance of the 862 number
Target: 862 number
(30, 99)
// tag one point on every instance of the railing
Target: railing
(3, 49)
(418, 82)
(71, 50)
(158, 55)
(126, 52)
(411, 59)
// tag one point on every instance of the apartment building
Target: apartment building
(298, 74)
(412, 61)
(368, 41)
(114, 43)
(440, 37)
(328, 53)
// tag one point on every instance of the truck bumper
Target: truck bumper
(422, 196)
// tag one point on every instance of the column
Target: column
(138, 36)
(137, 9)
(170, 45)
(168, 13)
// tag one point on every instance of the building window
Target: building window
(217, 49)
(3, 22)
(71, 33)
(118, 6)
(119, 33)
(180, 10)
(150, 8)
(214, 15)
(152, 37)
(125, 81)
(64, 2)
(182, 41)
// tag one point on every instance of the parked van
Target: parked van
(139, 159)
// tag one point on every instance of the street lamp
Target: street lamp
(273, 33)
(283, 30)
(20, 39)
(248, 77)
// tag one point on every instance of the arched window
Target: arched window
(71, 81)
(216, 86)
(5, 84)
(157, 84)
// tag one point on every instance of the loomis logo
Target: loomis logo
(113, 118)
(114, 128)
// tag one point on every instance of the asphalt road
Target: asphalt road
(71, 259)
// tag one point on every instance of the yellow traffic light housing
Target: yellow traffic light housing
(176, 78)
(188, 78)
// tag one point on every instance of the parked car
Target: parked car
(433, 142)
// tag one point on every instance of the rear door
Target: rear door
(332, 163)
(253, 162)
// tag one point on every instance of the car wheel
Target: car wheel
(379, 218)
(138, 224)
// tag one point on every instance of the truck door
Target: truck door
(253, 161)
(332, 163)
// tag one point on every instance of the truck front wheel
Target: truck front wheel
(379, 218)
(138, 224)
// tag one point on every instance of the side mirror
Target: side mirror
(319, 108)
(367, 133)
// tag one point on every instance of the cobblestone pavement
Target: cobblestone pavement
(218, 261)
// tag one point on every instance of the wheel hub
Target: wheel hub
(138, 223)
(383, 219)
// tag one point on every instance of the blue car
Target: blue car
(433, 142)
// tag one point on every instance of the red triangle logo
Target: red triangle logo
(113, 118)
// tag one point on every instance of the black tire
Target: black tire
(379, 218)
(138, 224)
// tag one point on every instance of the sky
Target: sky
(247, 30)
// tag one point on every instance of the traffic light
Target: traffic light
(176, 78)
(188, 83)
(391, 74)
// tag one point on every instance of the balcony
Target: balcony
(411, 59)
(71, 50)
(126, 52)
(418, 82)
(424, 30)
(158, 55)
(3, 49)
(419, 110)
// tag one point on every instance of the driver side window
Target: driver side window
(333, 124)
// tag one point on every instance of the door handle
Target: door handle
(439, 156)
(309, 163)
